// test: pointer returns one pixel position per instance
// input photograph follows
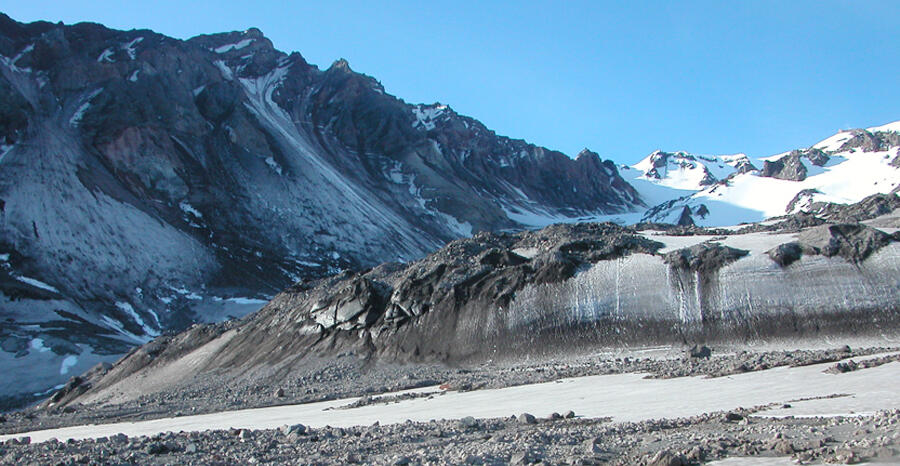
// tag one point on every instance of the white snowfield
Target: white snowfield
(848, 177)
(622, 397)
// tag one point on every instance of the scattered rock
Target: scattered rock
(593, 446)
(667, 458)
(468, 422)
(783, 447)
(296, 429)
(157, 448)
(526, 418)
(699, 352)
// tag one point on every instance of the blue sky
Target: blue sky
(621, 78)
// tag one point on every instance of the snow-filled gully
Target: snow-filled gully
(623, 397)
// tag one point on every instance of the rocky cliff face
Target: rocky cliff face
(147, 183)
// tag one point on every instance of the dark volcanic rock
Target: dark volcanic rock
(704, 257)
(854, 242)
(816, 157)
(744, 166)
(685, 219)
(871, 142)
(788, 167)
(699, 352)
(869, 208)
(786, 254)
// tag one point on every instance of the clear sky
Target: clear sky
(621, 78)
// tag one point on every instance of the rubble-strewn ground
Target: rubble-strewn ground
(348, 376)
(517, 439)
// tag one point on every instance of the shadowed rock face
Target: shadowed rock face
(143, 176)
(704, 257)
(853, 242)
(788, 167)
(868, 208)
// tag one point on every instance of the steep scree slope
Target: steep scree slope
(147, 183)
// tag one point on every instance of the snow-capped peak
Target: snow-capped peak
(843, 168)
(890, 127)
(681, 170)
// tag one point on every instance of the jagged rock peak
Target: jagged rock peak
(254, 32)
(341, 64)
(586, 153)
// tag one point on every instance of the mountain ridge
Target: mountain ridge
(148, 183)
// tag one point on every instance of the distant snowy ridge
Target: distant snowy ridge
(727, 190)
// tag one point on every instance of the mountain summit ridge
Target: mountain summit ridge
(148, 183)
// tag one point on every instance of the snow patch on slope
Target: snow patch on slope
(129, 48)
(426, 115)
(189, 209)
(106, 56)
(86, 104)
(37, 284)
(67, 363)
(129, 309)
(236, 46)
(270, 161)
(860, 175)
(225, 70)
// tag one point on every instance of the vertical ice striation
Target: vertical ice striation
(752, 297)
